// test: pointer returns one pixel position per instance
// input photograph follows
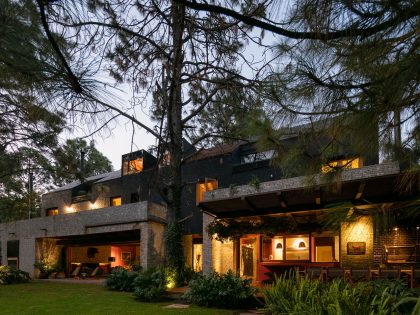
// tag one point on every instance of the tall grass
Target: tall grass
(295, 295)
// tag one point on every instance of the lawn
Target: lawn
(66, 298)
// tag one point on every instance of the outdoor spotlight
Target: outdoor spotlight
(279, 246)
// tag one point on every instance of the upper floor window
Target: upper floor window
(257, 156)
(115, 201)
(207, 185)
(339, 164)
(132, 166)
(51, 212)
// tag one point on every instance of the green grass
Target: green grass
(66, 298)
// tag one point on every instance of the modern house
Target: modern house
(118, 218)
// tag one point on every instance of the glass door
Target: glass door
(248, 257)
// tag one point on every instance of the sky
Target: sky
(116, 140)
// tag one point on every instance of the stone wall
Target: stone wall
(187, 245)
(359, 231)
(112, 219)
(207, 245)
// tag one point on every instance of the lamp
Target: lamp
(279, 246)
(302, 244)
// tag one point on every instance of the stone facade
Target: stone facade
(147, 217)
(359, 231)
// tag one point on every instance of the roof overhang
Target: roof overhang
(370, 184)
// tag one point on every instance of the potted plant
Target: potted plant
(46, 268)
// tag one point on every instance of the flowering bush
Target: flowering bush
(11, 275)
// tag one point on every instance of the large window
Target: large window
(207, 185)
(51, 212)
(317, 247)
(197, 254)
(257, 156)
(115, 201)
(297, 247)
(132, 166)
(273, 248)
(347, 163)
(326, 247)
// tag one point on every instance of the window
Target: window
(297, 247)
(326, 247)
(51, 212)
(132, 166)
(207, 185)
(115, 201)
(197, 262)
(348, 163)
(257, 156)
(273, 248)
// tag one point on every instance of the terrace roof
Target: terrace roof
(370, 184)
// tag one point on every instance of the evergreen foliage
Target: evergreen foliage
(217, 290)
(292, 294)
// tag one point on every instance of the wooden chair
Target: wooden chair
(356, 275)
(334, 273)
(317, 273)
(391, 274)
(76, 271)
(94, 272)
(374, 273)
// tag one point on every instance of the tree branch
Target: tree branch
(351, 31)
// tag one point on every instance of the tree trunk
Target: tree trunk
(174, 248)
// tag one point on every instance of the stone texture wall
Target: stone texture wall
(112, 219)
(360, 231)
(366, 172)
(207, 245)
(187, 244)
(152, 245)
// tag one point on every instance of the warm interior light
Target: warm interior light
(395, 229)
(302, 244)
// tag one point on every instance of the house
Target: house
(119, 218)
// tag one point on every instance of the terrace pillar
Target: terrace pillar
(151, 244)
(207, 246)
(27, 255)
(3, 245)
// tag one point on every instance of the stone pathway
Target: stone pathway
(177, 306)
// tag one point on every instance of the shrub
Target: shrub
(121, 280)
(11, 275)
(300, 295)
(226, 291)
(46, 267)
(150, 285)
